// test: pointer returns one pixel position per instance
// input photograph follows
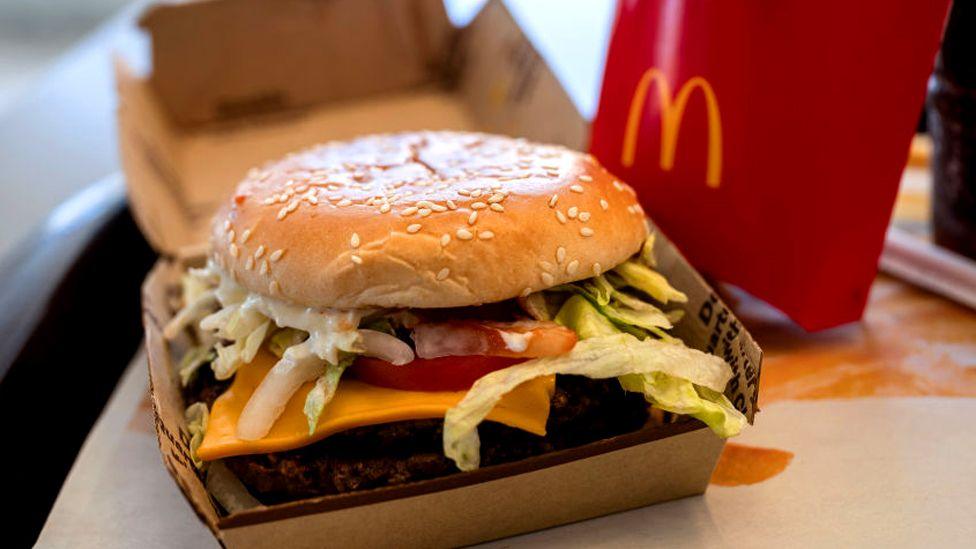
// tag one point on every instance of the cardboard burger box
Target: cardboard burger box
(235, 83)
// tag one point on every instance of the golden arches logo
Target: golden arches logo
(672, 111)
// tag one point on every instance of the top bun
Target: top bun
(424, 220)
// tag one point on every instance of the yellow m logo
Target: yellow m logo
(672, 111)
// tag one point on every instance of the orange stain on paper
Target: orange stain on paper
(908, 344)
(740, 464)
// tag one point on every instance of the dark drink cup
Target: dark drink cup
(952, 124)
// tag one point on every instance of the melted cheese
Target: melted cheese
(355, 404)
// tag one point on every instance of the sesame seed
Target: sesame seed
(312, 199)
(451, 205)
(497, 207)
(486, 235)
(233, 250)
(526, 292)
(572, 266)
(443, 273)
(638, 209)
(464, 192)
(546, 266)
(597, 269)
(495, 198)
(604, 204)
(259, 252)
(585, 178)
(384, 208)
(561, 216)
(292, 206)
(249, 264)
(576, 188)
(547, 279)
(438, 208)
(553, 200)
(245, 235)
(407, 212)
(617, 185)
(273, 287)
(572, 212)
(226, 225)
(560, 254)
(586, 231)
(424, 212)
(264, 267)
(552, 173)
(464, 234)
(231, 236)
(414, 228)
(445, 239)
(356, 259)
(473, 218)
(476, 193)
(550, 167)
(478, 205)
(282, 213)
(276, 255)
(344, 202)
(584, 216)
(354, 240)
(268, 201)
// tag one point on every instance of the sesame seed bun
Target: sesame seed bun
(424, 220)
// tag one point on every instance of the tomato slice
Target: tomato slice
(448, 373)
(522, 339)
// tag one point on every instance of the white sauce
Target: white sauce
(330, 330)
(516, 342)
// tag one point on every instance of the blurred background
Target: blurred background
(32, 34)
(57, 95)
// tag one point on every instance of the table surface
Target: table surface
(864, 437)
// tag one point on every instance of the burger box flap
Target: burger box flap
(191, 129)
(301, 74)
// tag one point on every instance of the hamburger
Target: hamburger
(402, 307)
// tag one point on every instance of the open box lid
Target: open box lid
(236, 83)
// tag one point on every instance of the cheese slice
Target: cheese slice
(355, 404)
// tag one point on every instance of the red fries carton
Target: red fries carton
(767, 139)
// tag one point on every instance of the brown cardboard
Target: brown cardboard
(648, 466)
(191, 130)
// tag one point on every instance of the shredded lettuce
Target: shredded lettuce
(241, 351)
(637, 275)
(622, 309)
(324, 389)
(583, 318)
(191, 312)
(647, 251)
(192, 360)
(197, 417)
(681, 396)
(597, 357)
(284, 338)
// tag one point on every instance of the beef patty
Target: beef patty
(582, 410)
